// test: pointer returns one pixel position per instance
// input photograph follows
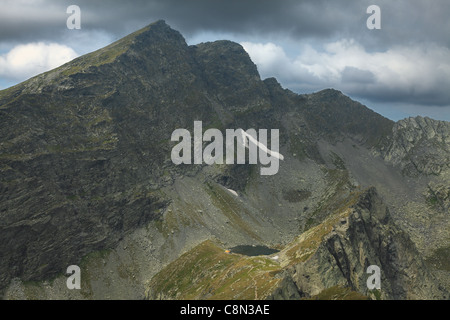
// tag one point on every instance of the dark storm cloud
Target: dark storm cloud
(19, 20)
(355, 75)
(403, 20)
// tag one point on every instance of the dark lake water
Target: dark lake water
(253, 250)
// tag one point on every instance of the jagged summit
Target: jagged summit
(138, 44)
(153, 34)
(420, 145)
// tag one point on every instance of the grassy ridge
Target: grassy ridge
(208, 272)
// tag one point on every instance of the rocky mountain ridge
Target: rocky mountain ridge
(420, 145)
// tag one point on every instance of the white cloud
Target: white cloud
(416, 74)
(270, 59)
(27, 60)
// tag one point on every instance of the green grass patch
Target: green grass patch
(376, 293)
(440, 259)
(208, 272)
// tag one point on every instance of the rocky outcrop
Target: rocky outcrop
(438, 196)
(367, 236)
(420, 146)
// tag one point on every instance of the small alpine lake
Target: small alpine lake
(252, 250)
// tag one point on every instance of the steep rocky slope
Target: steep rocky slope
(420, 145)
(86, 175)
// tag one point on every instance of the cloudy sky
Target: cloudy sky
(400, 70)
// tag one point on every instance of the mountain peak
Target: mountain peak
(158, 35)
(156, 40)
(160, 23)
(156, 32)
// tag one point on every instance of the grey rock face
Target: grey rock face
(420, 146)
(366, 237)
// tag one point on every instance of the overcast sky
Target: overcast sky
(400, 70)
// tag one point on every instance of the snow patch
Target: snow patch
(233, 192)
